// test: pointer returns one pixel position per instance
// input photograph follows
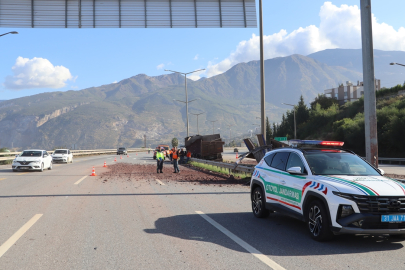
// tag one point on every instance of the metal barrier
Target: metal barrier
(390, 160)
(11, 155)
(229, 166)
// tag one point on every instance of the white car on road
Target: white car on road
(32, 160)
(333, 191)
(62, 155)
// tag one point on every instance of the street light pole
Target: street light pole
(295, 123)
(185, 84)
(12, 32)
(397, 64)
(262, 88)
(370, 115)
(213, 126)
(230, 135)
(197, 114)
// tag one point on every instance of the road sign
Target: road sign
(280, 139)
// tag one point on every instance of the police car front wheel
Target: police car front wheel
(259, 203)
(318, 221)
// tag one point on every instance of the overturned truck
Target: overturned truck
(209, 147)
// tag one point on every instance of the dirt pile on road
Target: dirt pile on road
(395, 176)
(137, 172)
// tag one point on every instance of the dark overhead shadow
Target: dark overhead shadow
(120, 194)
(277, 235)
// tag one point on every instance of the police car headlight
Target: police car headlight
(14, 161)
(345, 211)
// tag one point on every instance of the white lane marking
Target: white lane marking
(81, 179)
(266, 260)
(14, 238)
(160, 182)
(134, 158)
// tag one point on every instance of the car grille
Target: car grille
(379, 204)
(24, 162)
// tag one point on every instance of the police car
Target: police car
(333, 191)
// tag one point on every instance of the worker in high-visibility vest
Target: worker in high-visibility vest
(175, 157)
(188, 156)
(160, 157)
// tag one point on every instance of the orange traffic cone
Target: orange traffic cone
(237, 155)
(136, 153)
(93, 173)
(115, 159)
(120, 157)
(127, 155)
(105, 164)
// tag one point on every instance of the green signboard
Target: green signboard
(280, 139)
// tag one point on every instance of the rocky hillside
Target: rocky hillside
(122, 113)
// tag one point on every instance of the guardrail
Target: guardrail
(229, 166)
(11, 155)
(390, 160)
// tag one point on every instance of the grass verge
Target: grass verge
(220, 170)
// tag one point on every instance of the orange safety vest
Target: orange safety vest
(175, 155)
(188, 154)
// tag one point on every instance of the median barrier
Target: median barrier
(11, 155)
(229, 166)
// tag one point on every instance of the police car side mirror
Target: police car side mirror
(381, 171)
(294, 170)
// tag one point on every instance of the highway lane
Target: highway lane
(124, 224)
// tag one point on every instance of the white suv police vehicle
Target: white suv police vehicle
(333, 191)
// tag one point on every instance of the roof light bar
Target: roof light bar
(313, 142)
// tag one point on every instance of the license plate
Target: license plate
(25, 168)
(393, 218)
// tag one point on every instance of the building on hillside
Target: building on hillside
(349, 92)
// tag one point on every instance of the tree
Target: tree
(175, 142)
(302, 112)
(324, 101)
(275, 129)
(268, 131)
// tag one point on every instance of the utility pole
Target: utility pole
(185, 84)
(197, 114)
(262, 88)
(213, 125)
(144, 140)
(370, 116)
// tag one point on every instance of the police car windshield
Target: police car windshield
(326, 162)
(60, 152)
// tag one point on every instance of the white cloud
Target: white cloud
(195, 76)
(161, 66)
(37, 73)
(339, 27)
(196, 57)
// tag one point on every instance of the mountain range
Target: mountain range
(120, 114)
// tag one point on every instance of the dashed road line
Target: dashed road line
(14, 238)
(266, 260)
(81, 179)
(160, 182)
(22, 173)
(3, 179)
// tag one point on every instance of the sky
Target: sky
(46, 60)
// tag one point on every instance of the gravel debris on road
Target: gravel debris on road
(138, 172)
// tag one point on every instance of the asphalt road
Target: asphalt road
(50, 220)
